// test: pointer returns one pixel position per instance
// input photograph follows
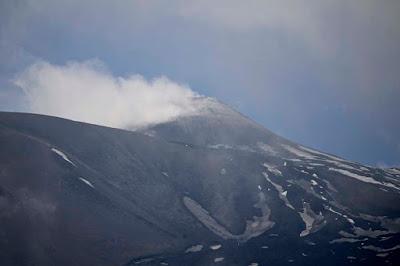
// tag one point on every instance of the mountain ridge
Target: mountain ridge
(197, 191)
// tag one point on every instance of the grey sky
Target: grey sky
(323, 73)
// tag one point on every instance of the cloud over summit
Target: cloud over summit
(322, 73)
(85, 91)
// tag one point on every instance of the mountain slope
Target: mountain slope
(210, 188)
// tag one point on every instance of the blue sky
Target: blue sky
(324, 74)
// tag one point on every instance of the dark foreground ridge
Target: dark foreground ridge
(210, 189)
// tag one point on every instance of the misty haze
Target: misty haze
(199, 133)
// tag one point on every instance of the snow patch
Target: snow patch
(312, 221)
(347, 240)
(220, 146)
(395, 171)
(253, 228)
(342, 165)
(145, 260)
(62, 155)
(229, 147)
(195, 248)
(320, 153)
(310, 243)
(378, 249)
(218, 259)
(266, 148)
(281, 192)
(362, 178)
(317, 164)
(215, 247)
(298, 152)
(272, 169)
(86, 182)
(340, 214)
(358, 231)
(382, 255)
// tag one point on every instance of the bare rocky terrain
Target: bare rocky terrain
(213, 188)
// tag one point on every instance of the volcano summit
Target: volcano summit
(210, 188)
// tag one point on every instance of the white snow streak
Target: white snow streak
(62, 155)
(86, 182)
(341, 214)
(216, 247)
(218, 259)
(298, 152)
(272, 169)
(378, 249)
(362, 178)
(195, 248)
(281, 193)
(253, 228)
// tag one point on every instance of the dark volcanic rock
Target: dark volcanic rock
(214, 188)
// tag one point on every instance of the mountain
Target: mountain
(212, 188)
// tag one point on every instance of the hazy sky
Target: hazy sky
(323, 73)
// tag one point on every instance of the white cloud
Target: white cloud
(85, 91)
